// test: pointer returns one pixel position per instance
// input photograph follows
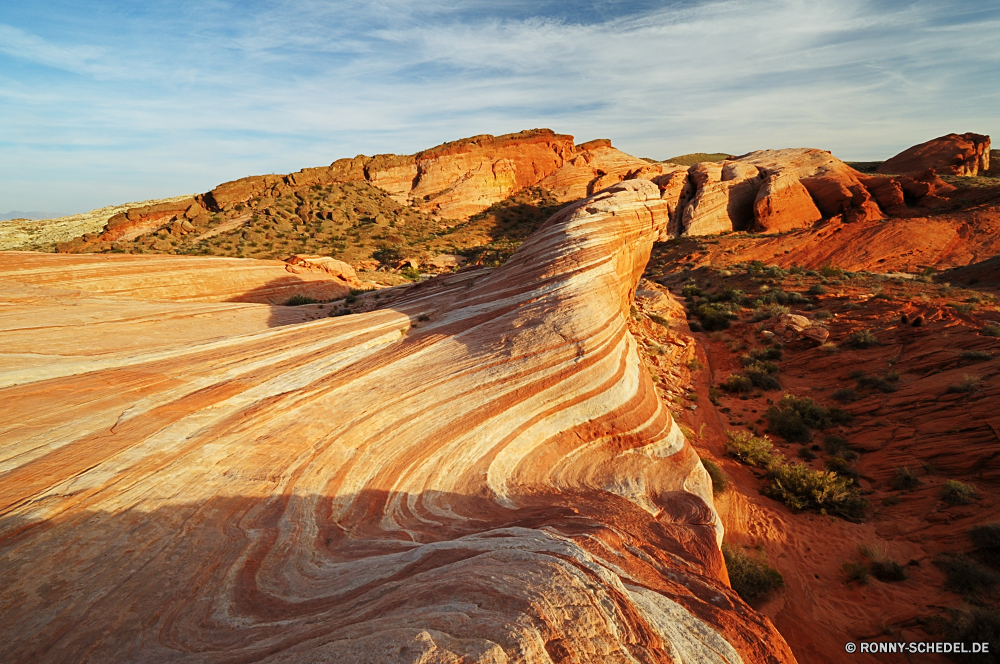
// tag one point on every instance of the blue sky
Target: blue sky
(110, 102)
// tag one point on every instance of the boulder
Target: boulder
(303, 263)
(952, 154)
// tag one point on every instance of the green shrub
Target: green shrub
(298, 300)
(975, 355)
(736, 383)
(800, 487)
(855, 572)
(749, 449)
(965, 574)
(973, 624)
(720, 483)
(793, 417)
(990, 331)
(956, 493)
(862, 339)
(762, 355)
(691, 291)
(986, 536)
(713, 317)
(411, 273)
(904, 479)
(887, 570)
(968, 384)
(884, 383)
(846, 395)
(817, 289)
(822, 314)
(839, 447)
(750, 576)
(842, 467)
(760, 374)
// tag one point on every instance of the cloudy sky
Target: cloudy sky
(112, 102)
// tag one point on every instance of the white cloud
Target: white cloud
(303, 83)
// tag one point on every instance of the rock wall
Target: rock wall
(479, 471)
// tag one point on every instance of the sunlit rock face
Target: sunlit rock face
(480, 471)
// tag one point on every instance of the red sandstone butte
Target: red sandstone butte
(951, 154)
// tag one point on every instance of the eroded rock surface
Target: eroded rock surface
(480, 471)
(952, 154)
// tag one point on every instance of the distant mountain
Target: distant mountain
(17, 214)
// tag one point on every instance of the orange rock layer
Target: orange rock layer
(480, 471)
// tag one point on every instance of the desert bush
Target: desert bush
(968, 384)
(752, 450)
(800, 487)
(965, 574)
(904, 479)
(656, 318)
(972, 624)
(298, 300)
(691, 291)
(720, 482)
(761, 354)
(411, 273)
(884, 383)
(845, 395)
(736, 383)
(855, 571)
(990, 331)
(386, 254)
(822, 314)
(975, 355)
(862, 339)
(887, 570)
(750, 576)
(956, 493)
(713, 317)
(761, 375)
(793, 417)
(838, 446)
(986, 536)
(841, 466)
(817, 289)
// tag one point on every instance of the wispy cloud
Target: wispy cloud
(181, 100)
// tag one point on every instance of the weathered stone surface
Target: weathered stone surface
(172, 278)
(783, 204)
(421, 483)
(302, 263)
(677, 189)
(724, 200)
(952, 154)
(595, 165)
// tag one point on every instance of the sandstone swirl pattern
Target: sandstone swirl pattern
(499, 483)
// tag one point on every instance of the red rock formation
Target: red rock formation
(594, 166)
(481, 471)
(180, 278)
(952, 154)
(783, 204)
(724, 200)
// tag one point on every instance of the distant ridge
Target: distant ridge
(17, 214)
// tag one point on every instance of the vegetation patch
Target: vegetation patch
(904, 479)
(749, 449)
(720, 482)
(966, 575)
(793, 417)
(956, 493)
(800, 487)
(299, 300)
(751, 577)
(862, 339)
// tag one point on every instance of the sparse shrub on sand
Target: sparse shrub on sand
(713, 317)
(846, 395)
(720, 482)
(855, 571)
(965, 574)
(862, 339)
(975, 355)
(793, 417)
(956, 493)
(761, 375)
(822, 314)
(299, 300)
(968, 384)
(751, 577)
(817, 289)
(749, 449)
(800, 487)
(904, 479)
(736, 383)
(990, 331)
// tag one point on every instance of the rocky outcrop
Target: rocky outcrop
(593, 166)
(783, 204)
(182, 278)
(479, 471)
(952, 154)
(724, 199)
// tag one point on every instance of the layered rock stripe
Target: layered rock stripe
(481, 471)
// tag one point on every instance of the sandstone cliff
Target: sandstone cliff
(952, 154)
(479, 471)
